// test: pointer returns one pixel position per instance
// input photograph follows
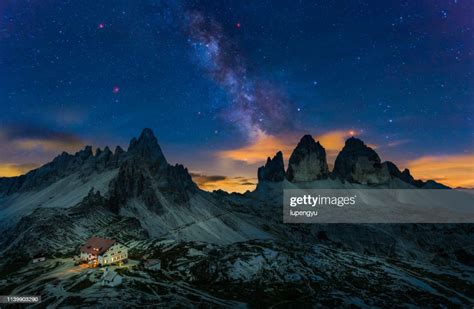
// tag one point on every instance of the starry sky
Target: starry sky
(224, 84)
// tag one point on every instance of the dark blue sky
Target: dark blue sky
(398, 73)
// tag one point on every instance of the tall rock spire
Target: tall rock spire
(274, 169)
(359, 163)
(147, 147)
(308, 161)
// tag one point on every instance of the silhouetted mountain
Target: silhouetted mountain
(308, 161)
(147, 147)
(274, 169)
(359, 163)
(232, 243)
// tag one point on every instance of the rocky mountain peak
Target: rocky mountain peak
(118, 151)
(147, 147)
(85, 153)
(395, 172)
(308, 161)
(274, 169)
(359, 163)
(354, 142)
(408, 178)
(103, 153)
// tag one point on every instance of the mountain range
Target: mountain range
(224, 249)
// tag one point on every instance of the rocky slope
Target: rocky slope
(220, 249)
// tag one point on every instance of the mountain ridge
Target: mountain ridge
(355, 163)
(215, 242)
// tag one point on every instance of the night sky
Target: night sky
(224, 84)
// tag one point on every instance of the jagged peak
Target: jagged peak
(85, 153)
(100, 152)
(307, 161)
(274, 169)
(354, 141)
(307, 139)
(62, 155)
(147, 147)
(147, 133)
(356, 147)
(118, 150)
(359, 163)
(278, 156)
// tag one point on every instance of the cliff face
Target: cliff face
(274, 169)
(307, 162)
(144, 172)
(223, 242)
(355, 163)
(359, 163)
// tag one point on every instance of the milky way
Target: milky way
(257, 106)
(397, 73)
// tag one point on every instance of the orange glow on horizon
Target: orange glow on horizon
(333, 141)
(268, 145)
(229, 184)
(12, 170)
(451, 170)
(48, 145)
(257, 152)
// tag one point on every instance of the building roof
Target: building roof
(97, 245)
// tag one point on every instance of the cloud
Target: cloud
(398, 143)
(55, 144)
(258, 150)
(452, 170)
(11, 170)
(229, 184)
(68, 115)
(205, 179)
(27, 146)
(26, 137)
(266, 145)
(333, 142)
